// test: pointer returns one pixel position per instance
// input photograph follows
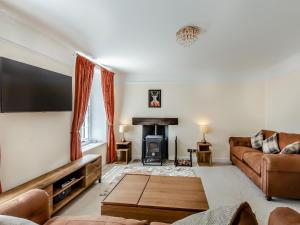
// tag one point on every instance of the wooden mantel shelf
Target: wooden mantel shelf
(154, 121)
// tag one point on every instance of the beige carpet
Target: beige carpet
(223, 184)
(116, 172)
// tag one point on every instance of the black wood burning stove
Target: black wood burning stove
(155, 139)
(155, 144)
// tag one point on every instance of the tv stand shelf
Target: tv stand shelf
(62, 184)
(60, 190)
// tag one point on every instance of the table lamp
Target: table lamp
(122, 129)
(204, 130)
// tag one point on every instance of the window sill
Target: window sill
(90, 146)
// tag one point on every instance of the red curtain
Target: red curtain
(84, 72)
(107, 78)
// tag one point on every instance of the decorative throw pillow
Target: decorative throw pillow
(11, 220)
(257, 140)
(293, 148)
(270, 145)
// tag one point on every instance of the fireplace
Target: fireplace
(155, 139)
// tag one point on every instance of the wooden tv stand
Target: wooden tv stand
(84, 172)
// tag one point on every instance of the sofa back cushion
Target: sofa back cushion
(268, 133)
(285, 139)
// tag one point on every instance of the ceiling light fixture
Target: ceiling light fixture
(187, 35)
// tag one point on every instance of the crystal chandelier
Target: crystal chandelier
(187, 35)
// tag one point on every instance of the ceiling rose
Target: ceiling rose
(187, 35)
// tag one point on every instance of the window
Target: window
(93, 129)
(85, 130)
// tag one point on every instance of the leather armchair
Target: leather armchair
(33, 205)
(284, 216)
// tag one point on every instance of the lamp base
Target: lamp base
(203, 139)
(123, 140)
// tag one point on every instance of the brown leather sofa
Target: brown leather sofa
(244, 216)
(34, 206)
(277, 175)
(279, 216)
(284, 216)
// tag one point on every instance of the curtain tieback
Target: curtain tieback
(75, 131)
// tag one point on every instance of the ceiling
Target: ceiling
(241, 38)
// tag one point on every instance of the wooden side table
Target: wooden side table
(123, 150)
(204, 154)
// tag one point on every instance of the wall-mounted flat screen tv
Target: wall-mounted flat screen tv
(26, 88)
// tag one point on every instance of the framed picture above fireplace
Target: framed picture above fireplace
(154, 98)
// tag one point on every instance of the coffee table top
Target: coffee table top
(184, 193)
(128, 191)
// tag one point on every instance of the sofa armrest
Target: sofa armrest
(282, 163)
(32, 205)
(157, 223)
(240, 141)
(94, 220)
(281, 175)
(284, 216)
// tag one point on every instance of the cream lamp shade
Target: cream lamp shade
(204, 128)
(122, 128)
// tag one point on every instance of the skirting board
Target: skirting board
(172, 157)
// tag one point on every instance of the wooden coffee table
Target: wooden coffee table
(155, 198)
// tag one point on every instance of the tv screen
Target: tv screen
(26, 88)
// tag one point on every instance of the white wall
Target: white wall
(229, 109)
(32, 143)
(101, 150)
(283, 103)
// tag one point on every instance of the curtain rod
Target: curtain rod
(93, 61)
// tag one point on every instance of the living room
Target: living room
(188, 71)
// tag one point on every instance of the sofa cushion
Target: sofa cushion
(285, 139)
(268, 133)
(293, 148)
(270, 145)
(257, 140)
(239, 151)
(93, 220)
(11, 220)
(253, 160)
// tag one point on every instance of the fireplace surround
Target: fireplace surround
(154, 139)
